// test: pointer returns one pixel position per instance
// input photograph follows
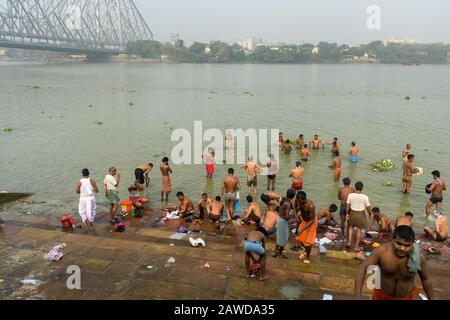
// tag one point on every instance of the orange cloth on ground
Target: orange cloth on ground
(308, 236)
(166, 184)
(379, 295)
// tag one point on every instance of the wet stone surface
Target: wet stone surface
(138, 264)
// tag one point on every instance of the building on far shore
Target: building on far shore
(176, 41)
(399, 41)
(448, 56)
(365, 58)
(250, 45)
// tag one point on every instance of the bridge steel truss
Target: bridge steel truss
(102, 26)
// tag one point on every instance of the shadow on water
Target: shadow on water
(11, 197)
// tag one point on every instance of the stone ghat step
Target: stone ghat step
(107, 263)
(335, 263)
(115, 252)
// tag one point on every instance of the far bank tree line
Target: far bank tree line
(221, 52)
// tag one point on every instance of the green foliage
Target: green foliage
(384, 165)
(146, 49)
(221, 52)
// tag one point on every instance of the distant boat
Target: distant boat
(410, 64)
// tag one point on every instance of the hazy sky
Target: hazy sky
(296, 21)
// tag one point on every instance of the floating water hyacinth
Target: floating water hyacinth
(99, 123)
(407, 98)
(384, 165)
(8, 130)
(131, 104)
(248, 93)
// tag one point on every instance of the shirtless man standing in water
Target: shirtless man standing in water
(397, 279)
(337, 167)
(230, 185)
(166, 183)
(300, 142)
(252, 175)
(353, 152)
(304, 153)
(316, 142)
(405, 152)
(436, 189)
(297, 177)
(146, 168)
(408, 171)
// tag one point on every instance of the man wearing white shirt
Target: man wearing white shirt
(357, 204)
(272, 171)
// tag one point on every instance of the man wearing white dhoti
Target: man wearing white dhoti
(86, 188)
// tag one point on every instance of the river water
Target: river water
(56, 134)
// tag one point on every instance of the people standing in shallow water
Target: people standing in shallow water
(272, 171)
(335, 146)
(252, 175)
(353, 152)
(405, 152)
(436, 188)
(408, 171)
(229, 188)
(209, 162)
(315, 143)
(166, 183)
(146, 169)
(87, 206)
(281, 140)
(299, 143)
(297, 177)
(398, 262)
(286, 147)
(304, 153)
(337, 167)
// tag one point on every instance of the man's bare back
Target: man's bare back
(297, 174)
(230, 184)
(270, 220)
(404, 221)
(216, 208)
(305, 154)
(165, 169)
(343, 194)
